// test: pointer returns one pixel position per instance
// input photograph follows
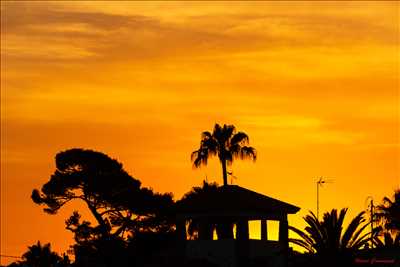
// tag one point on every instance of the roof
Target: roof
(233, 200)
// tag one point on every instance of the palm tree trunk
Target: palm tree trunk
(224, 174)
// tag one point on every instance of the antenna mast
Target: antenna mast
(320, 182)
(232, 176)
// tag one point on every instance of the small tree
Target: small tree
(204, 229)
(200, 229)
(39, 255)
(116, 200)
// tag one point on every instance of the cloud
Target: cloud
(52, 29)
(298, 63)
(18, 15)
(43, 31)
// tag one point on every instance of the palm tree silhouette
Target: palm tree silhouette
(326, 239)
(227, 144)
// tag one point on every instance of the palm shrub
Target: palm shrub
(331, 243)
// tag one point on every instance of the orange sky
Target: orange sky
(315, 85)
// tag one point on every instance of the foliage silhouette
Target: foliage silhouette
(326, 239)
(388, 213)
(39, 255)
(388, 240)
(107, 252)
(116, 200)
(201, 228)
(153, 248)
(227, 144)
(388, 216)
(134, 226)
(120, 206)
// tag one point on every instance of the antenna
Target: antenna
(320, 183)
(232, 176)
(370, 208)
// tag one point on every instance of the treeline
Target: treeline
(135, 226)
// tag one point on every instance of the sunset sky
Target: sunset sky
(314, 84)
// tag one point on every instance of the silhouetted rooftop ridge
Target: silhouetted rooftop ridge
(234, 199)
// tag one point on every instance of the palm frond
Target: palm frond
(240, 138)
(387, 201)
(339, 226)
(206, 134)
(217, 132)
(211, 145)
(356, 236)
(303, 235)
(247, 152)
(316, 231)
(194, 155)
(302, 244)
(227, 132)
(199, 158)
(351, 229)
(360, 241)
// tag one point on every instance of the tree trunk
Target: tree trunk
(99, 219)
(224, 174)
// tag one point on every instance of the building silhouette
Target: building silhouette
(228, 209)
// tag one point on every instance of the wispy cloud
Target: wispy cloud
(136, 36)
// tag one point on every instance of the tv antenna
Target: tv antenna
(232, 176)
(320, 182)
